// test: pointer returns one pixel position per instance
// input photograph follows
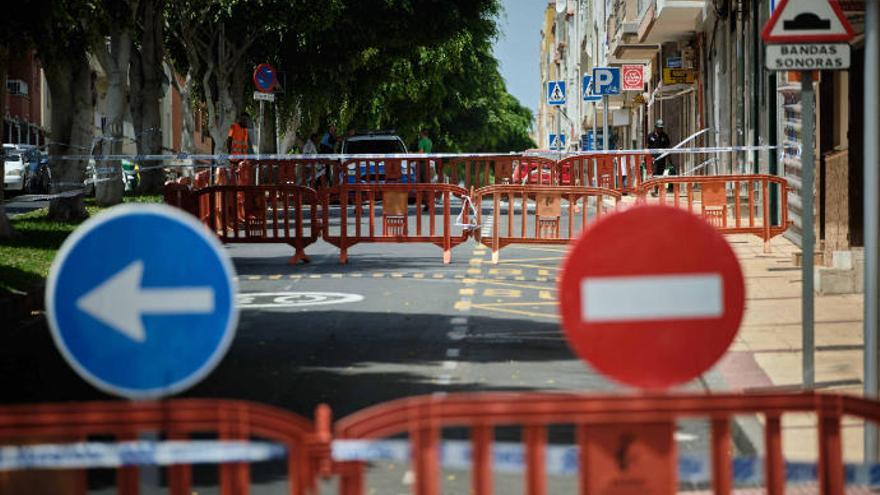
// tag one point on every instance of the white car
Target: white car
(13, 169)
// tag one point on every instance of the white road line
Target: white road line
(459, 320)
(449, 365)
(444, 379)
(456, 335)
(652, 297)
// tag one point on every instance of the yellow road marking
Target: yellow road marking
(540, 267)
(396, 275)
(507, 284)
(314, 276)
(357, 275)
(519, 278)
(462, 305)
(378, 275)
(502, 293)
(513, 304)
(336, 275)
(474, 271)
(505, 271)
(438, 275)
(489, 307)
(254, 277)
(466, 292)
(545, 294)
(274, 277)
(520, 260)
(418, 275)
(540, 279)
(541, 249)
(475, 261)
(544, 272)
(295, 277)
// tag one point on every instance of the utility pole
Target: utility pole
(808, 123)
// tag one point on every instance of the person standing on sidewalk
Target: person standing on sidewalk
(658, 140)
(425, 146)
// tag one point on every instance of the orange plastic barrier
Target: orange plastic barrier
(269, 214)
(601, 422)
(359, 204)
(307, 443)
(735, 204)
(621, 172)
(180, 195)
(541, 212)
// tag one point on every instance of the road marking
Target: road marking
(258, 300)
(520, 279)
(397, 275)
(274, 277)
(492, 292)
(418, 275)
(518, 286)
(453, 353)
(456, 335)
(462, 305)
(475, 262)
(458, 320)
(357, 275)
(506, 272)
(532, 314)
(474, 271)
(336, 275)
(544, 272)
(315, 276)
(518, 261)
(466, 292)
(449, 365)
(438, 275)
(444, 379)
(545, 294)
(378, 275)
(254, 277)
(541, 279)
(295, 277)
(653, 297)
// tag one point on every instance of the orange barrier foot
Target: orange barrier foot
(447, 257)
(300, 255)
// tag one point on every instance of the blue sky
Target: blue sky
(517, 48)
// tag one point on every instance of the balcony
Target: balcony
(670, 20)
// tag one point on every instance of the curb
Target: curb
(747, 432)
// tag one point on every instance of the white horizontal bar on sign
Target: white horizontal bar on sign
(652, 297)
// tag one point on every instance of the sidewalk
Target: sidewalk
(767, 353)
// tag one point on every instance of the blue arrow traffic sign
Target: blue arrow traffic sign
(606, 80)
(587, 90)
(556, 93)
(141, 301)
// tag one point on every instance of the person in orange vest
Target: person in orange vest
(238, 141)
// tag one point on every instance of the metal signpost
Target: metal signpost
(871, 206)
(590, 96)
(556, 97)
(606, 82)
(807, 35)
(265, 79)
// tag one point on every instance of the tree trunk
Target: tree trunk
(147, 76)
(267, 129)
(6, 229)
(71, 86)
(115, 62)
(185, 90)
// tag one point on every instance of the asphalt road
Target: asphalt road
(393, 322)
(23, 203)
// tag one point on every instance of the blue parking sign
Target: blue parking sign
(141, 301)
(606, 80)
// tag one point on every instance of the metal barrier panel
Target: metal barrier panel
(621, 172)
(180, 195)
(648, 420)
(285, 214)
(307, 444)
(734, 204)
(393, 213)
(534, 214)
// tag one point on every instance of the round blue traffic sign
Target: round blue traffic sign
(264, 78)
(141, 301)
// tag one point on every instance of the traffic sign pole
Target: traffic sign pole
(871, 205)
(807, 225)
(605, 123)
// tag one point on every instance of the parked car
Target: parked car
(38, 177)
(527, 173)
(372, 143)
(13, 169)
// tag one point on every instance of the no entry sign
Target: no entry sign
(651, 297)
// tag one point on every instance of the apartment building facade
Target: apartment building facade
(705, 78)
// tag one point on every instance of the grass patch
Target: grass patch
(26, 258)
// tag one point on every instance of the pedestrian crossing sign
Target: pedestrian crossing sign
(587, 90)
(557, 142)
(556, 93)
